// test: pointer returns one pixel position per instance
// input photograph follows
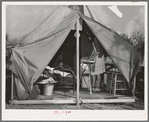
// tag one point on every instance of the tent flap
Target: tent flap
(30, 60)
(48, 25)
(118, 49)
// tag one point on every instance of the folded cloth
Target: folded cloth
(63, 74)
(51, 70)
(50, 80)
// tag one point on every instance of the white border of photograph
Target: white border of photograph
(110, 115)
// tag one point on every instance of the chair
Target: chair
(118, 82)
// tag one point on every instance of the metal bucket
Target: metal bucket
(47, 89)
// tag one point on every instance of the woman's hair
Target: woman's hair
(90, 36)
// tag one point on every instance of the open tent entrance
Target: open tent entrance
(66, 53)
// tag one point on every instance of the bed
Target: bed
(61, 78)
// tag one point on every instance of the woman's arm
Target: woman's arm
(94, 55)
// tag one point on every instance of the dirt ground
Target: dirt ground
(137, 105)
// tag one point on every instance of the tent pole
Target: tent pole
(77, 34)
(132, 67)
(12, 80)
(134, 86)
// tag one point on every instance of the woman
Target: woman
(98, 68)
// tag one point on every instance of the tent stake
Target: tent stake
(77, 33)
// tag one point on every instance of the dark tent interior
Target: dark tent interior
(67, 51)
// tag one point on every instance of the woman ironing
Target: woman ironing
(98, 68)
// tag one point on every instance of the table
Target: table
(88, 62)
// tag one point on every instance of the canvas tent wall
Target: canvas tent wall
(29, 61)
(34, 53)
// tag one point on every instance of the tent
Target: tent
(30, 57)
